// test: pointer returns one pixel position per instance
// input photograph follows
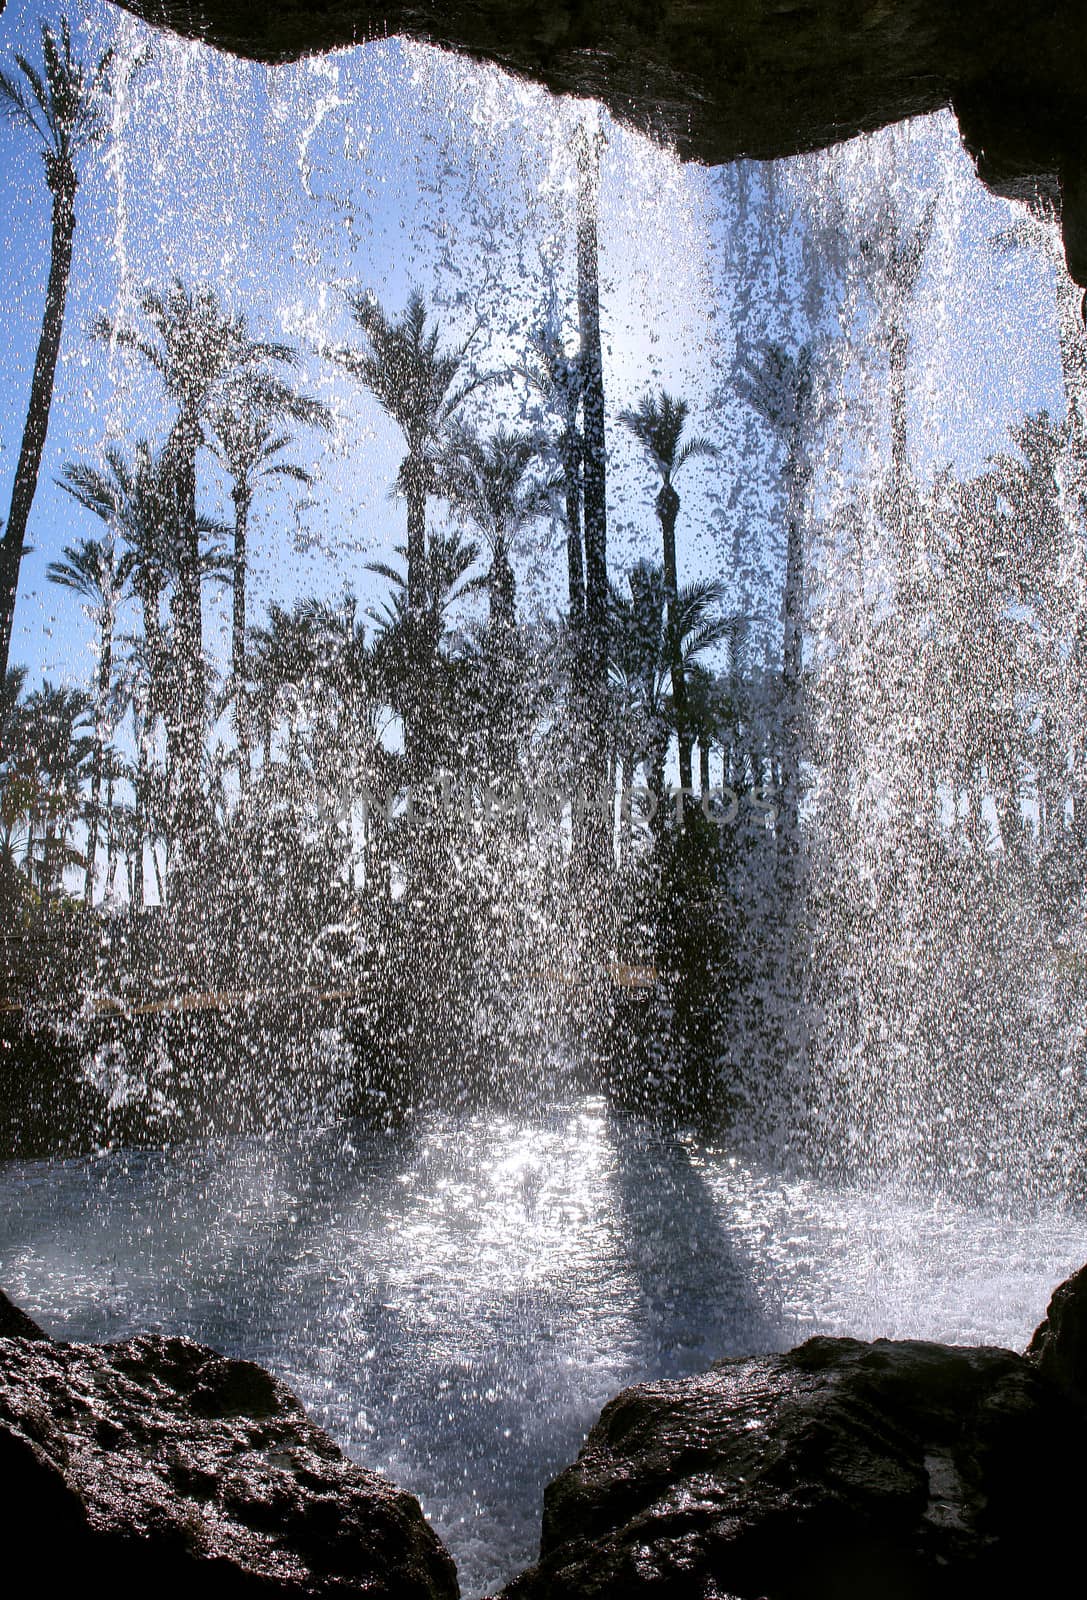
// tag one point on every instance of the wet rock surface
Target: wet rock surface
(763, 78)
(14, 1322)
(1059, 1345)
(840, 1471)
(157, 1460)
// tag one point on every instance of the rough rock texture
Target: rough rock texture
(841, 1471)
(158, 1461)
(1059, 1345)
(764, 78)
(15, 1324)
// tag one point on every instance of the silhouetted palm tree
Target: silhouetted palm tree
(201, 354)
(488, 481)
(657, 423)
(422, 387)
(780, 386)
(58, 756)
(587, 143)
(250, 439)
(647, 638)
(140, 503)
(63, 107)
(93, 570)
(12, 685)
(894, 255)
(556, 377)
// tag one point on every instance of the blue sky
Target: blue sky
(392, 165)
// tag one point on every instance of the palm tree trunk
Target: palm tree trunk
(668, 512)
(137, 901)
(571, 470)
(594, 480)
(105, 675)
(110, 858)
(898, 354)
(421, 628)
(237, 653)
(416, 498)
(159, 885)
(189, 656)
(791, 673)
(62, 180)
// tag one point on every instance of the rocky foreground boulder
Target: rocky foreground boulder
(840, 1471)
(127, 1467)
(14, 1322)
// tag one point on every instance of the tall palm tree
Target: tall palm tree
(15, 790)
(201, 353)
(647, 637)
(658, 422)
(556, 377)
(140, 503)
(12, 685)
(63, 108)
(93, 570)
(251, 441)
(780, 386)
(895, 255)
(587, 143)
(58, 753)
(488, 481)
(422, 387)
(449, 578)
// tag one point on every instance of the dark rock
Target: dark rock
(841, 1471)
(763, 78)
(1059, 1345)
(15, 1324)
(158, 1461)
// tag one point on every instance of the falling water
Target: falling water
(401, 1061)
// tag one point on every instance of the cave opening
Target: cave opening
(542, 790)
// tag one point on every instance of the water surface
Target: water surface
(456, 1301)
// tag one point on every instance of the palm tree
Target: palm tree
(419, 689)
(12, 685)
(556, 377)
(250, 442)
(58, 752)
(139, 502)
(488, 481)
(647, 638)
(138, 689)
(896, 255)
(587, 144)
(422, 387)
(780, 386)
(658, 423)
(639, 686)
(201, 354)
(449, 578)
(16, 790)
(93, 570)
(63, 108)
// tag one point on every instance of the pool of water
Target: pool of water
(456, 1301)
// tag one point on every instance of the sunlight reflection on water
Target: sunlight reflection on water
(455, 1302)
